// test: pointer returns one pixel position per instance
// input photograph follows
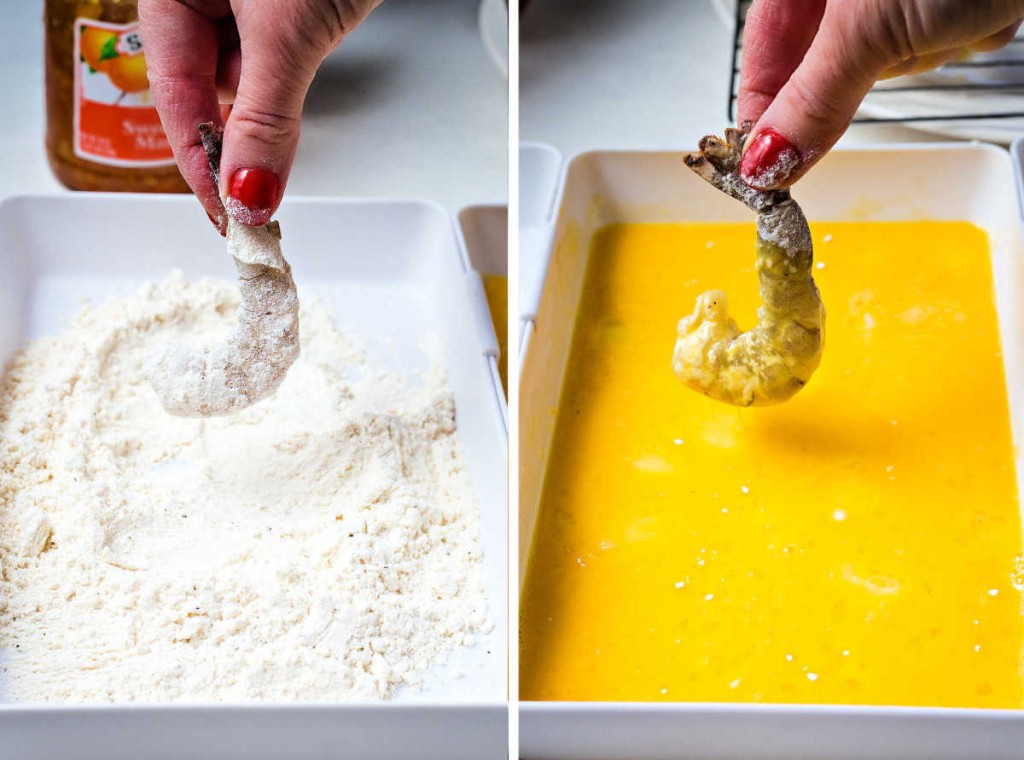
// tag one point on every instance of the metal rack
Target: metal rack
(1004, 75)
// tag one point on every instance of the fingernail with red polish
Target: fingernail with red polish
(769, 161)
(252, 196)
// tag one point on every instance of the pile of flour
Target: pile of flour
(322, 544)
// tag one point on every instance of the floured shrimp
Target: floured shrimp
(254, 360)
(770, 363)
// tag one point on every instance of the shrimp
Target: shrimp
(254, 360)
(771, 362)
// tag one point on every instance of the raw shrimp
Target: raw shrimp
(770, 363)
(254, 360)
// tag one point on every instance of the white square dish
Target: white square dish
(540, 171)
(392, 274)
(485, 239)
(937, 182)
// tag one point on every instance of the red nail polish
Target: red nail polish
(252, 195)
(769, 161)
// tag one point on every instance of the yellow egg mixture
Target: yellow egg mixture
(857, 544)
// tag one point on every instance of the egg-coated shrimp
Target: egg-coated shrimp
(774, 360)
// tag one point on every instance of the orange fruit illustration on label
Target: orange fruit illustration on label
(128, 72)
(115, 122)
(98, 47)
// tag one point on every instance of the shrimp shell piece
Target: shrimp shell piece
(772, 362)
(254, 360)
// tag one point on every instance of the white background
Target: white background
(410, 105)
(646, 74)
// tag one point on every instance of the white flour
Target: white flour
(322, 544)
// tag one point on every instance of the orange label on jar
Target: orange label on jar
(115, 120)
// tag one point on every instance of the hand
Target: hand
(260, 55)
(807, 65)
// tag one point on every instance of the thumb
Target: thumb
(262, 133)
(817, 104)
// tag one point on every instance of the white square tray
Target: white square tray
(391, 273)
(907, 182)
(485, 240)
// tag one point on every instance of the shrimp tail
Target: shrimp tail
(718, 162)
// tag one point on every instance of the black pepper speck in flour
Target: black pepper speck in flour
(320, 545)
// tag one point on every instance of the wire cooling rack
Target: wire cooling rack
(982, 96)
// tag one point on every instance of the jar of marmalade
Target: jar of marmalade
(102, 130)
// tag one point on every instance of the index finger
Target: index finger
(776, 36)
(181, 45)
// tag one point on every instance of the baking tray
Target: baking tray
(393, 274)
(484, 232)
(969, 182)
(540, 172)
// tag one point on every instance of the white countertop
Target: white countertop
(650, 74)
(410, 105)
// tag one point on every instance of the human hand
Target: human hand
(260, 56)
(807, 65)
